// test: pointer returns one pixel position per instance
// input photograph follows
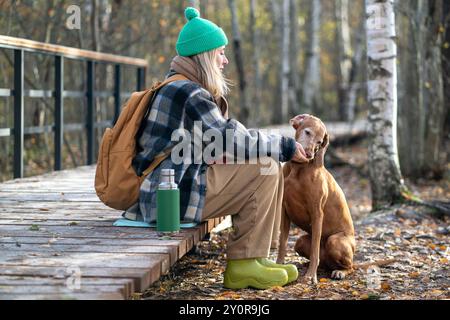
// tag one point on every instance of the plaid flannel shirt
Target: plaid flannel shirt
(180, 105)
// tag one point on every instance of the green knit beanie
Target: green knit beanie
(199, 35)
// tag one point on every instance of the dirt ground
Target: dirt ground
(417, 240)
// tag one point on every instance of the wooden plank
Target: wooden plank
(172, 251)
(93, 232)
(66, 215)
(20, 281)
(50, 281)
(179, 246)
(60, 290)
(142, 277)
(157, 263)
(56, 222)
(69, 51)
(57, 197)
(12, 205)
(66, 296)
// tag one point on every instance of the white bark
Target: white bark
(344, 53)
(311, 83)
(384, 169)
(357, 64)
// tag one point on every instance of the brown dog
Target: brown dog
(314, 201)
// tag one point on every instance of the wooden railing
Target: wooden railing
(60, 53)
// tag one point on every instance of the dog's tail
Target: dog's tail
(377, 263)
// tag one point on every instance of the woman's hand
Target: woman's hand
(299, 155)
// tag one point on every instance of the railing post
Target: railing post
(140, 83)
(90, 111)
(59, 110)
(18, 113)
(117, 102)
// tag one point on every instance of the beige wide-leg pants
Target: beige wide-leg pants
(252, 194)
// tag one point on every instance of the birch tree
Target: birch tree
(344, 49)
(311, 83)
(357, 65)
(384, 169)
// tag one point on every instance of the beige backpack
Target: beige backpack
(116, 182)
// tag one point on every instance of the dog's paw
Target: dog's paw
(338, 274)
(310, 278)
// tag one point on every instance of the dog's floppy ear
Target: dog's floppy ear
(320, 155)
(295, 121)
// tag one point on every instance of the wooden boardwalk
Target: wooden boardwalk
(57, 241)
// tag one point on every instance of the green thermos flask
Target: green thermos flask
(168, 203)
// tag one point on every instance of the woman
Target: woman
(248, 192)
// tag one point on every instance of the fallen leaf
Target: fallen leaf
(323, 280)
(385, 286)
(277, 289)
(370, 230)
(414, 274)
(436, 292)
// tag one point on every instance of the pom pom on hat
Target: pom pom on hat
(191, 13)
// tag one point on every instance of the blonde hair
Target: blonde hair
(210, 75)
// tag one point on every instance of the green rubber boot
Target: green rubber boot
(290, 269)
(244, 273)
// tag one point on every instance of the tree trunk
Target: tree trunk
(254, 36)
(411, 129)
(294, 78)
(311, 83)
(357, 65)
(446, 66)
(278, 30)
(433, 98)
(238, 56)
(384, 170)
(344, 55)
(285, 64)
(421, 102)
(95, 27)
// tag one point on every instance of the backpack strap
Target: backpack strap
(161, 156)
